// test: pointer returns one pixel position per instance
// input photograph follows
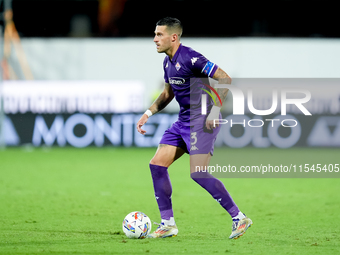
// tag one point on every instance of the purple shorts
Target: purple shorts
(195, 139)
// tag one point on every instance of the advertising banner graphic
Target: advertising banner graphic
(67, 114)
(72, 96)
(81, 130)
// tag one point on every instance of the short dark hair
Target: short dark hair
(171, 23)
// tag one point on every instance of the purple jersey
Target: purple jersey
(187, 72)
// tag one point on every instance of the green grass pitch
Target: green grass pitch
(73, 201)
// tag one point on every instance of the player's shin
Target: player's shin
(163, 191)
(218, 191)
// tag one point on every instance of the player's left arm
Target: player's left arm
(223, 78)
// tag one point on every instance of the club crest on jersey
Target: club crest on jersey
(178, 66)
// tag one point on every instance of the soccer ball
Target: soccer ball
(136, 225)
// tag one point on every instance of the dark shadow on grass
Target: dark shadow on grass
(69, 232)
(57, 242)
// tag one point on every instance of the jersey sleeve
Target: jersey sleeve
(200, 65)
(165, 62)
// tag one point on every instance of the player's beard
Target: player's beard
(163, 49)
(160, 49)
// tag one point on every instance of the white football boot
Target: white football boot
(239, 227)
(164, 231)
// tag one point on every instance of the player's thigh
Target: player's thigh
(166, 155)
(199, 162)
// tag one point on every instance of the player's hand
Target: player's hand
(210, 124)
(141, 122)
(213, 115)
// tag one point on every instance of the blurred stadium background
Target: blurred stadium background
(80, 73)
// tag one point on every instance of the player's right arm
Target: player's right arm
(160, 103)
(163, 99)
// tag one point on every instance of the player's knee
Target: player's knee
(197, 175)
(157, 162)
(153, 161)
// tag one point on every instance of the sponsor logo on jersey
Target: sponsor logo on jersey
(176, 80)
(193, 60)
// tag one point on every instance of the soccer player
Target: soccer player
(193, 133)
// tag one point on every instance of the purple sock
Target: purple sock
(163, 190)
(217, 189)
